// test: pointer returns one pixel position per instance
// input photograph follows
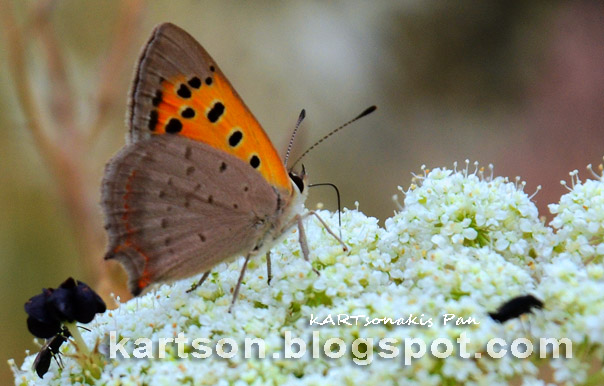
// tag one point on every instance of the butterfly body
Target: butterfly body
(199, 181)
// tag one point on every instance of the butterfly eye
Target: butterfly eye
(298, 181)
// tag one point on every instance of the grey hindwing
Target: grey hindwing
(175, 207)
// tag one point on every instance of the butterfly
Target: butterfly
(515, 307)
(199, 181)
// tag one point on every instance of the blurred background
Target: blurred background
(519, 84)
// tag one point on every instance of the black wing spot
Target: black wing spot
(246, 188)
(209, 80)
(201, 237)
(235, 206)
(153, 118)
(190, 170)
(215, 112)
(167, 241)
(223, 167)
(174, 126)
(184, 92)
(157, 98)
(161, 194)
(197, 187)
(255, 161)
(188, 152)
(194, 82)
(210, 199)
(235, 138)
(164, 223)
(212, 68)
(187, 113)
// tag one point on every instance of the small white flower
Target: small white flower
(579, 220)
(460, 246)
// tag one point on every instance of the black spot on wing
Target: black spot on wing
(194, 82)
(174, 126)
(216, 112)
(255, 161)
(184, 92)
(188, 113)
(235, 138)
(157, 98)
(153, 118)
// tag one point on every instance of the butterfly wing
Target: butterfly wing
(179, 90)
(175, 207)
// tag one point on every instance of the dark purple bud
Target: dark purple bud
(37, 307)
(72, 301)
(41, 329)
(62, 301)
(87, 303)
(43, 321)
(76, 301)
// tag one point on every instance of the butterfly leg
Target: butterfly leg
(304, 242)
(269, 274)
(200, 282)
(313, 213)
(238, 286)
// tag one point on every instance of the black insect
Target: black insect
(48, 351)
(515, 307)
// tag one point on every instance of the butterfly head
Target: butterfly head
(300, 180)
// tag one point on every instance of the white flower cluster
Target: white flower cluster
(579, 219)
(462, 244)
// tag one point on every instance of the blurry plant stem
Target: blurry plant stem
(65, 153)
(90, 360)
(122, 42)
(78, 341)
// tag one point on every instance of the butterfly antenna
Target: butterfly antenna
(291, 140)
(339, 206)
(367, 111)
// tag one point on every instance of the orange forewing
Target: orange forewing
(235, 117)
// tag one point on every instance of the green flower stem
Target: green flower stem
(90, 361)
(79, 343)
